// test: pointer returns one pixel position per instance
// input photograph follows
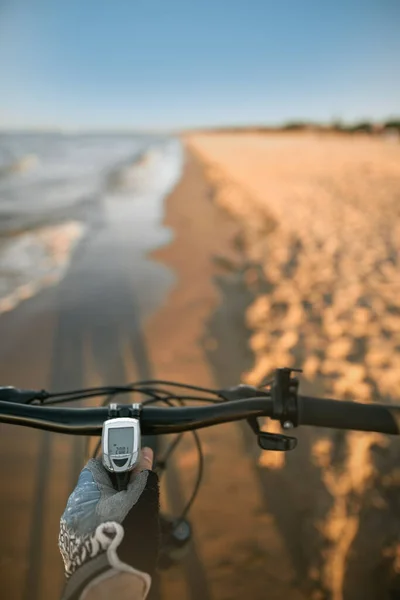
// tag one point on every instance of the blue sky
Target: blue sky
(181, 63)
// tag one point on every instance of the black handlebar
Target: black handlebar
(158, 420)
(153, 420)
(339, 414)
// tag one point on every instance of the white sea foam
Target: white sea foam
(34, 260)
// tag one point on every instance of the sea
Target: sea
(54, 186)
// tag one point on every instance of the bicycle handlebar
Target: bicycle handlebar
(153, 420)
(340, 414)
(158, 420)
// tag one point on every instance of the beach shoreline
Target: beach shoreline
(85, 330)
(263, 522)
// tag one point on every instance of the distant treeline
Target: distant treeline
(362, 126)
(391, 125)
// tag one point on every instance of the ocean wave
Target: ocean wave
(45, 213)
(26, 163)
(34, 260)
(154, 170)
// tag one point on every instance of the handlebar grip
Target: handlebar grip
(349, 415)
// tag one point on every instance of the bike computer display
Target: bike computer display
(121, 444)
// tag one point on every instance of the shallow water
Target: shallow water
(60, 193)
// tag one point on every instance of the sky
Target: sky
(166, 64)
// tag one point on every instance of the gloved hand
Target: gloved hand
(103, 529)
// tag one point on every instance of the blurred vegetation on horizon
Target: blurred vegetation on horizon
(364, 126)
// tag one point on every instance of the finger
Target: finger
(145, 461)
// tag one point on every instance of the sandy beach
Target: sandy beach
(320, 225)
(284, 252)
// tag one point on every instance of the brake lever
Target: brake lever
(267, 441)
(276, 441)
(271, 441)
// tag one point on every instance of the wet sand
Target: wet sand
(88, 330)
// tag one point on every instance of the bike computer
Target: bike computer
(121, 444)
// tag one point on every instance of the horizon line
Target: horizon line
(122, 129)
